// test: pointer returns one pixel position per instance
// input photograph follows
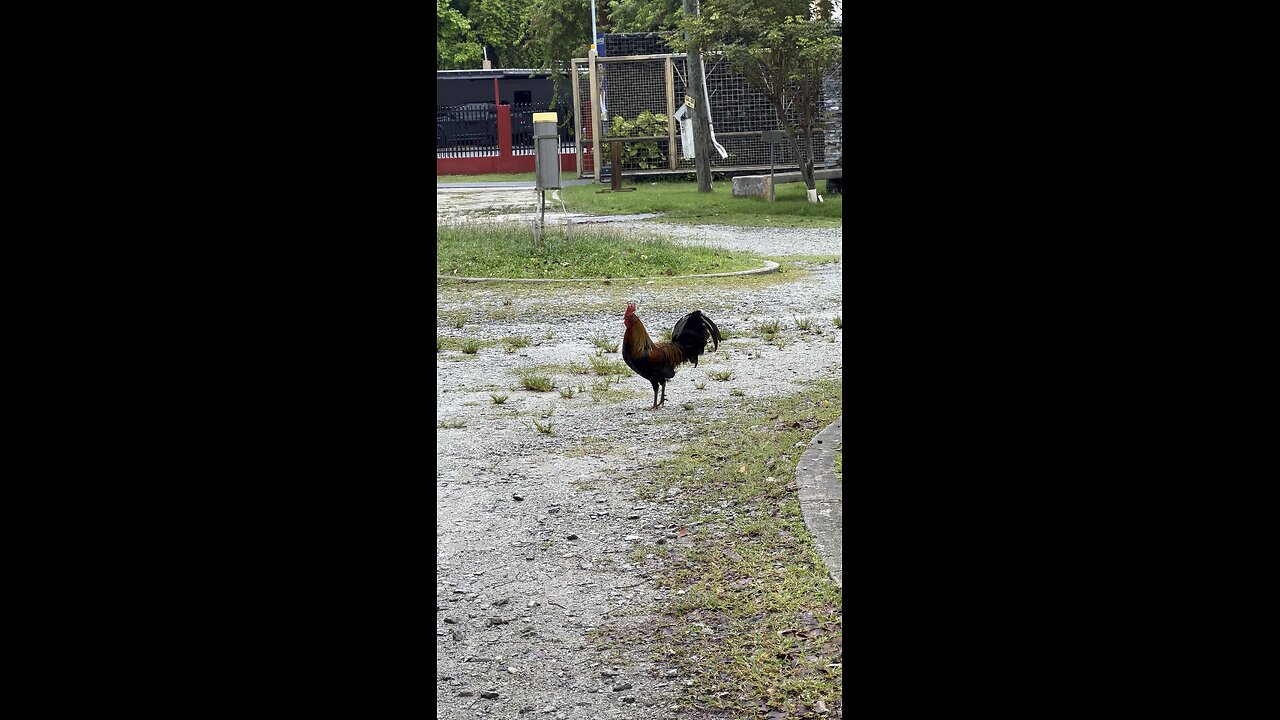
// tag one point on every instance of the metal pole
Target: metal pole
(593, 23)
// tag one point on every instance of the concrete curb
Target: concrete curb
(821, 496)
(769, 266)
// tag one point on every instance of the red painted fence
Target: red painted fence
(504, 162)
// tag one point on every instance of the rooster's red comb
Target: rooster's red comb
(631, 308)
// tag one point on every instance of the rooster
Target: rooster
(656, 362)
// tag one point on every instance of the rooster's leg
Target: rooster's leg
(655, 395)
(664, 395)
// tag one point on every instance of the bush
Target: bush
(645, 155)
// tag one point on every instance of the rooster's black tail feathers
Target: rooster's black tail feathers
(692, 333)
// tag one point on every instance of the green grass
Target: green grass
(470, 346)
(537, 383)
(768, 330)
(682, 203)
(721, 375)
(507, 251)
(607, 367)
(498, 399)
(838, 321)
(492, 177)
(605, 345)
(453, 424)
(747, 587)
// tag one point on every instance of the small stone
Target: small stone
(631, 537)
(629, 699)
(496, 621)
(553, 510)
(465, 693)
(633, 517)
(570, 536)
(621, 686)
(517, 498)
(488, 695)
(450, 620)
(512, 670)
(671, 673)
(457, 634)
(525, 709)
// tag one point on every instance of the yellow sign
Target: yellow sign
(688, 101)
(544, 117)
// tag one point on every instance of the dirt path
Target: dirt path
(540, 538)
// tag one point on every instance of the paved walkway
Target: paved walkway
(821, 496)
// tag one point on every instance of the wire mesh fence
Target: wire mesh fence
(636, 97)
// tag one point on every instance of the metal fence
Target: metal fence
(645, 91)
(522, 127)
(471, 130)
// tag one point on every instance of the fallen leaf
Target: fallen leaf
(681, 533)
(743, 468)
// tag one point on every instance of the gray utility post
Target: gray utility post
(701, 113)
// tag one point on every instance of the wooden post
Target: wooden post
(671, 110)
(577, 116)
(615, 179)
(595, 111)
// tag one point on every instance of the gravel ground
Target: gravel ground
(540, 537)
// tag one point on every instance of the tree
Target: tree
(782, 48)
(456, 48)
(632, 16)
(503, 26)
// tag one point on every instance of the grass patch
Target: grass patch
(747, 587)
(594, 252)
(537, 383)
(680, 202)
(490, 178)
(838, 321)
(498, 399)
(701, 386)
(567, 393)
(461, 343)
(721, 375)
(737, 392)
(452, 424)
(547, 428)
(768, 330)
(607, 367)
(605, 345)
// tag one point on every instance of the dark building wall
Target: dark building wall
(456, 91)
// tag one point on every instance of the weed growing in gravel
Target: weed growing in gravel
(687, 406)
(543, 428)
(608, 367)
(838, 321)
(470, 346)
(537, 383)
(665, 335)
(515, 342)
(737, 392)
(755, 354)
(721, 375)
(549, 336)
(768, 330)
(701, 386)
(566, 393)
(804, 325)
(605, 345)
(439, 343)
(577, 368)
(453, 424)
(506, 302)
(498, 399)
(458, 322)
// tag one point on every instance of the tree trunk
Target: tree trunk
(701, 113)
